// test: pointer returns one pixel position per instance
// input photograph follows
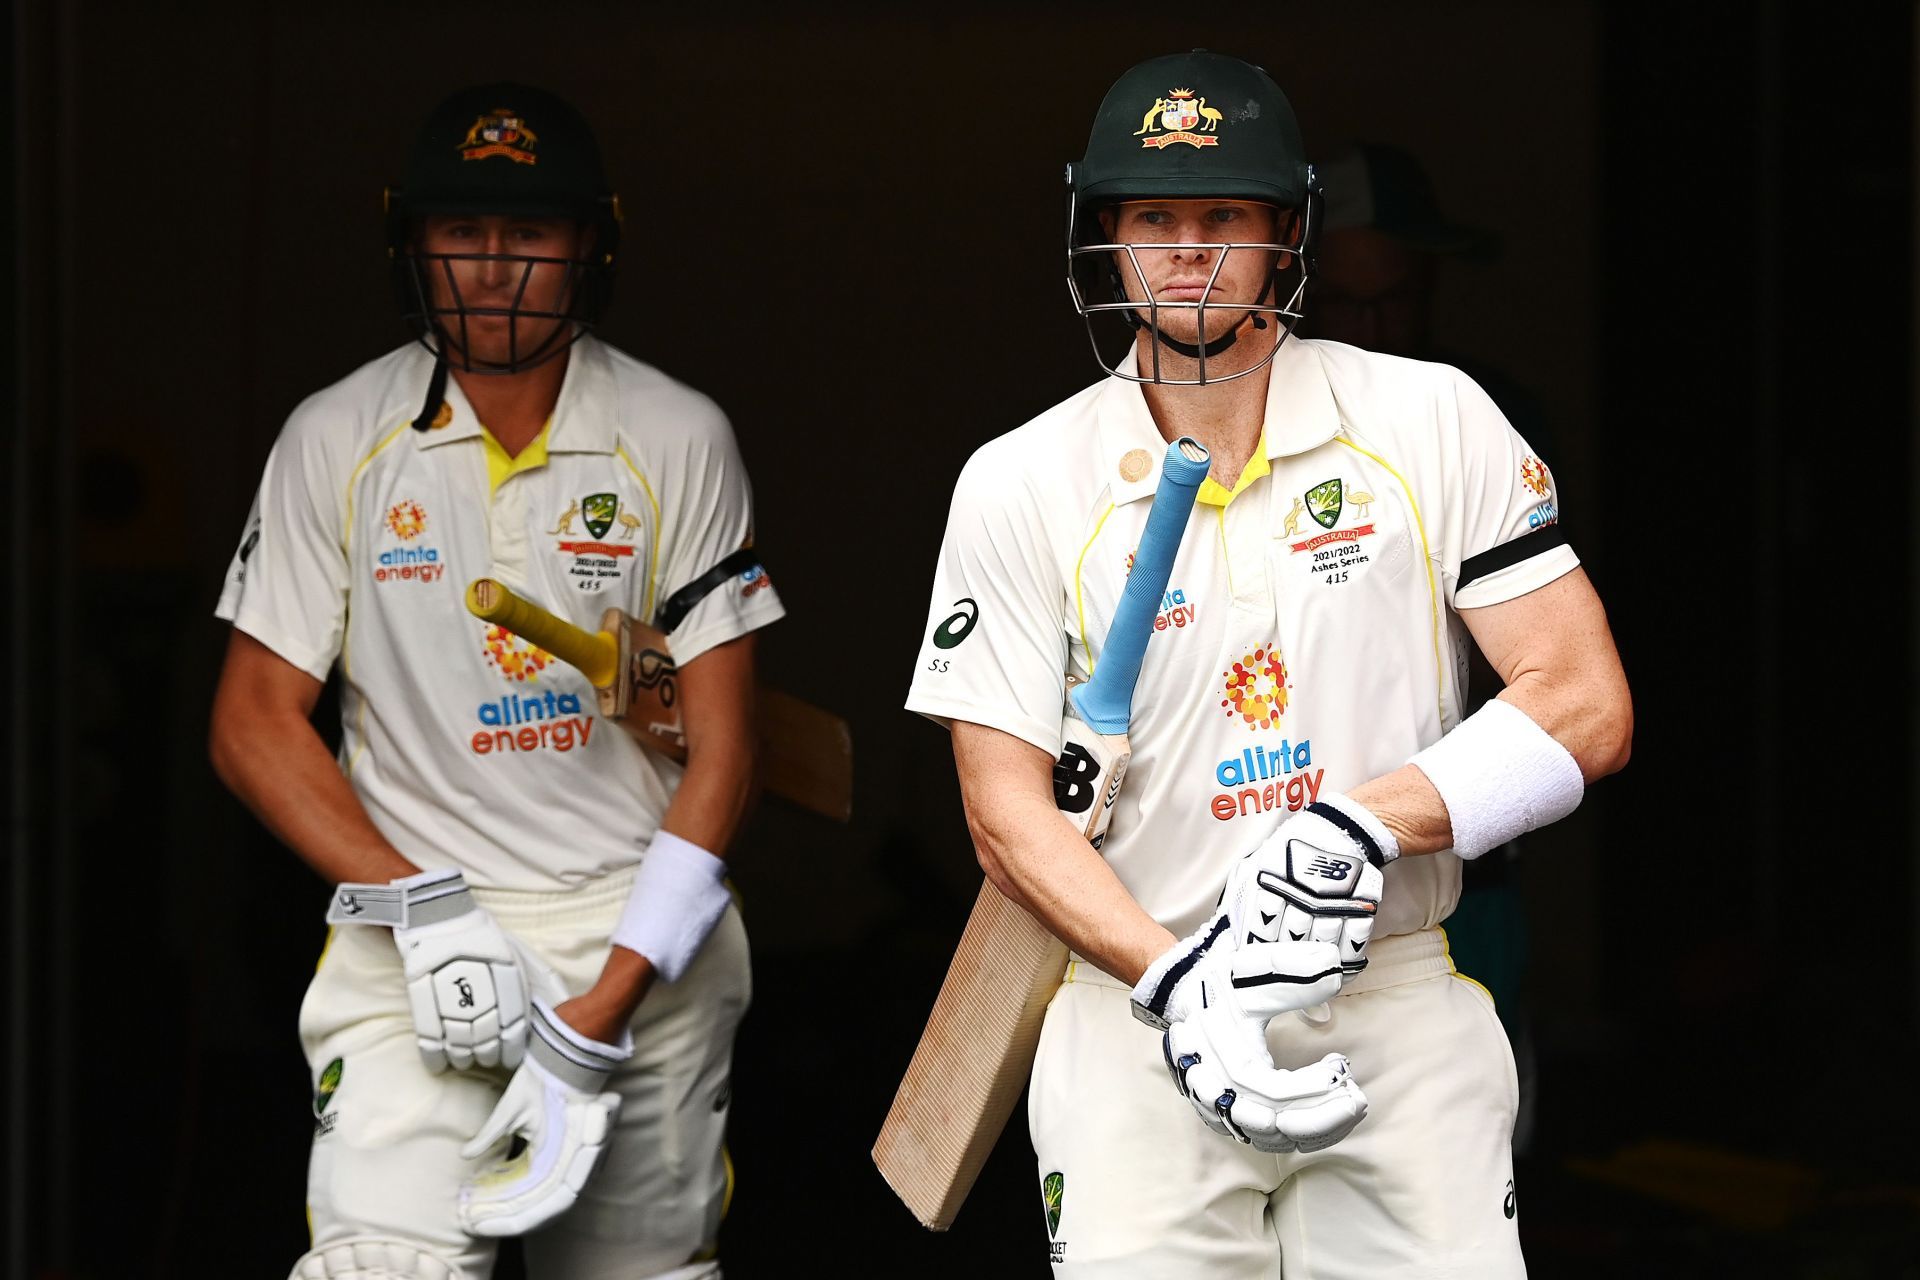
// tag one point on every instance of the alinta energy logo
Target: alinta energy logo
(1265, 776)
(1257, 688)
(1539, 481)
(407, 521)
(1175, 609)
(549, 720)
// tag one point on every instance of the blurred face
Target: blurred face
(476, 265)
(1180, 250)
(1369, 290)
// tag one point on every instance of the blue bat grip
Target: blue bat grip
(1105, 702)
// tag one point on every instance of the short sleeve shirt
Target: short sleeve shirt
(468, 746)
(1309, 637)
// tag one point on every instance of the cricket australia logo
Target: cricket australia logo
(597, 510)
(1324, 501)
(1053, 1190)
(500, 132)
(1173, 119)
(324, 1089)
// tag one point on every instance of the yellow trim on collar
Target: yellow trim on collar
(500, 466)
(1216, 495)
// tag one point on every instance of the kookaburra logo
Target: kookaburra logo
(466, 992)
(349, 903)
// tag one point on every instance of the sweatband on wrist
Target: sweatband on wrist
(678, 896)
(1501, 775)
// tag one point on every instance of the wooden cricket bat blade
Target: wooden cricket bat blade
(971, 1064)
(806, 754)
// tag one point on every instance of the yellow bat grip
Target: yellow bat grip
(595, 653)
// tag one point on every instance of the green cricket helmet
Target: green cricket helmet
(502, 149)
(1190, 126)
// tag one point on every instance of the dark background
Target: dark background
(847, 227)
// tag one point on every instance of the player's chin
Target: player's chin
(1182, 324)
(498, 342)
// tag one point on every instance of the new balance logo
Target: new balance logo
(1328, 868)
(1073, 776)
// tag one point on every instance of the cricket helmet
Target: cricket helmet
(502, 149)
(1190, 126)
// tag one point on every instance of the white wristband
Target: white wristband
(677, 898)
(1501, 776)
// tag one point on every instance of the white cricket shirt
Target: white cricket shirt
(1307, 640)
(468, 746)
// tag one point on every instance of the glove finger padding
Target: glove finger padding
(557, 1106)
(1217, 1053)
(468, 996)
(464, 986)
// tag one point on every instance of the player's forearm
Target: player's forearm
(1592, 722)
(1035, 858)
(712, 798)
(276, 763)
(706, 810)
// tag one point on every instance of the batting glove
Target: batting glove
(1217, 1052)
(1317, 878)
(466, 978)
(558, 1105)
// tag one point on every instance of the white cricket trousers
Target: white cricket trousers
(386, 1150)
(1423, 1187)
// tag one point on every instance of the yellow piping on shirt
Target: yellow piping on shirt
(1426, 560)
(354, 479)
(1226, 552)
(653, 551)
(1078, 600)
(346, 665)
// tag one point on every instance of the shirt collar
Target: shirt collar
(1300, 416)
(582, 419)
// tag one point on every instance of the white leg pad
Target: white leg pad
(373, 1258)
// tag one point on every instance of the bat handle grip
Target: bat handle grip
(1106, 701)
(595, 653)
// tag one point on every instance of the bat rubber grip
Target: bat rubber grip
(595, 653)
(1106, 701)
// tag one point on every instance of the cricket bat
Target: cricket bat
(806, 753)
(974, 1057)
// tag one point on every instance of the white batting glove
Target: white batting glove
(1317, 878)
(556, 1105)
(466, 981)
(1217, 1052)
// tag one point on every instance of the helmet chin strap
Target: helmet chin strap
(1197, 351)
(436, 392)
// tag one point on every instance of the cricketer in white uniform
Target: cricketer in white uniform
(523, 1021)
(1303, 782)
